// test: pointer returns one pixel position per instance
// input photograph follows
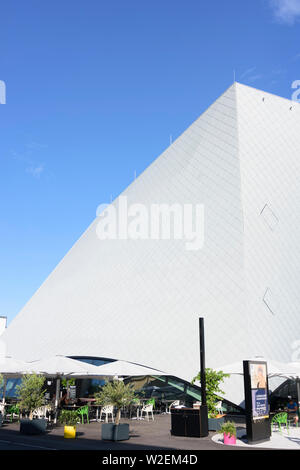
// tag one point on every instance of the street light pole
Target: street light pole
(202, 361)
(203, 408)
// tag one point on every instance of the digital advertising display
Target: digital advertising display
(257, 401)
(259, 390)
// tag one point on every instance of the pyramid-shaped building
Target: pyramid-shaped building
(140, 300)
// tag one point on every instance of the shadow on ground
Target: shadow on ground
(153, 435)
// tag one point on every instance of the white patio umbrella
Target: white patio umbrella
(10, 367)
(125, 369)
(293, 369)
(61, 366)
(275, 368)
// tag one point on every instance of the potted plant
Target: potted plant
(31, 394)
(69, 418)
(213, 391)
(229, 431)
(1, 385)
(117, 394)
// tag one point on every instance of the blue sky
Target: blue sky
(94, 90)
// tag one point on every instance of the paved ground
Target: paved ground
(143, 436)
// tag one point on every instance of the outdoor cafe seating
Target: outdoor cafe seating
(83, 412)
(107, 410)
(148, 410)
(140, 409)
(87, 410)
(279, 420)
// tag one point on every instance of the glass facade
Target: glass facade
(166, 389)
(11, 388)
(279, 398)
(95, 361)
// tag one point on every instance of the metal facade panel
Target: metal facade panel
(269, 149)
(139, 300)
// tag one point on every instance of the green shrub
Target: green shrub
(228, 428)
(31, 393)
(213, 391)
(68, 417)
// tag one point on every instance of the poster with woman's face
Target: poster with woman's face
(258, 373)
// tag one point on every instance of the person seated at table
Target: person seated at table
(64, 399)
(292, 410)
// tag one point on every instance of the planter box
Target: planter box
(214, 424)
(34, 426)
(115, 432)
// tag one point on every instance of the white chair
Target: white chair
(174, 403)
(39, 412)
(42, 412)
(219, 407)
(107, 410)
(2, 413)
(48, 409)
(148, 409)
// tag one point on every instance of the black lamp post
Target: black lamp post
(193, 422)
(202, 362)
(203, 408)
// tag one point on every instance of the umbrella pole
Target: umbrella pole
(57, 398)
(4, 389)
(298, 391)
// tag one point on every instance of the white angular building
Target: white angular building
(140, 300)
